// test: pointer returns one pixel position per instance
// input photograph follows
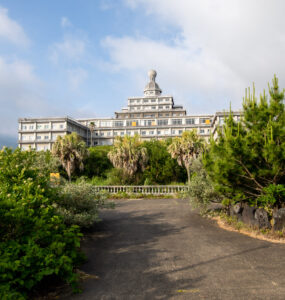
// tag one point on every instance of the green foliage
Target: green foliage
(34, 242)
(97, 162)
(79, 204)
(128, 155)
(71, 151)
(201, 188)
(250, 155)
(161, 168)
(185, 149)
(45, 162)
(272, 196)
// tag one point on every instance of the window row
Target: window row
(42, 126)
(160, 107)
(158, 100)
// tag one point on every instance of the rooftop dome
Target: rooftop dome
(152, 88)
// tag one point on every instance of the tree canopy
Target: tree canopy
(249, 155)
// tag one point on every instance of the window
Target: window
(180, 131)
(143, 132)
(129, 132)
(160, 107)
(167, 115)
(202, 130)
(133, 123)
(151, 132)
(149, 123)
(177, 121)
(46, 137)
(153, 107)
(115, 133)
(109, 133)
(167, 106)
(162, 122)
(190, 121)
(145, 100)
(61, 126)
(221, 122)
(39, 126)
(31, 127)
(153, 100)
(122, 133)
(102, 133)
(119, 123)
(160, 100)
(205, 121)
(24, 127)
(158, 132)
(39, 137)
(173, 131)
(46, 126)
(166, 132)
(105, 124)
(138, 100)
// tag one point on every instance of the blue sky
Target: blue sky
(85, 58)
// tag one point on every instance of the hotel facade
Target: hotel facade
(152, 116)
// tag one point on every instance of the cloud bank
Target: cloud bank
(221, 47)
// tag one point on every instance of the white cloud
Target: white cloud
(10, 30)
(222, 46)
(76, 77)
(21, 94)
(70, 49)
(65, 22)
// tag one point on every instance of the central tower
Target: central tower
(152, 88)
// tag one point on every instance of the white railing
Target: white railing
(143, 189)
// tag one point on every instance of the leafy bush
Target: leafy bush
(201, 188)
(97, 162)
(272, 196)
(79, 203)
(34, 242)
(161, 168)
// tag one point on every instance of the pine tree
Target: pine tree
(249, 155)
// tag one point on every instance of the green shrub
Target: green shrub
(79, 203)
(201, 189)
(34, 242)
(161, 168)
(272, 196)
(97, 163)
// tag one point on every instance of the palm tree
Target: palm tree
(92, 129)
(128, 155)
(185, 149)
(71, 151)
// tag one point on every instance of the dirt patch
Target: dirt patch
(249, 232)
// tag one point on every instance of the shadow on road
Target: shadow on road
(122, 252)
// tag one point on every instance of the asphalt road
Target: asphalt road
(160, 249)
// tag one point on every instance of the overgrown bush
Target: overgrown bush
(161, 168)
(79, 203)
(97, 162)
(201, 188)
(34, 241)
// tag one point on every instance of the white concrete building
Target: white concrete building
(152, 116)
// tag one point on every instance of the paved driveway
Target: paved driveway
(160, 249)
